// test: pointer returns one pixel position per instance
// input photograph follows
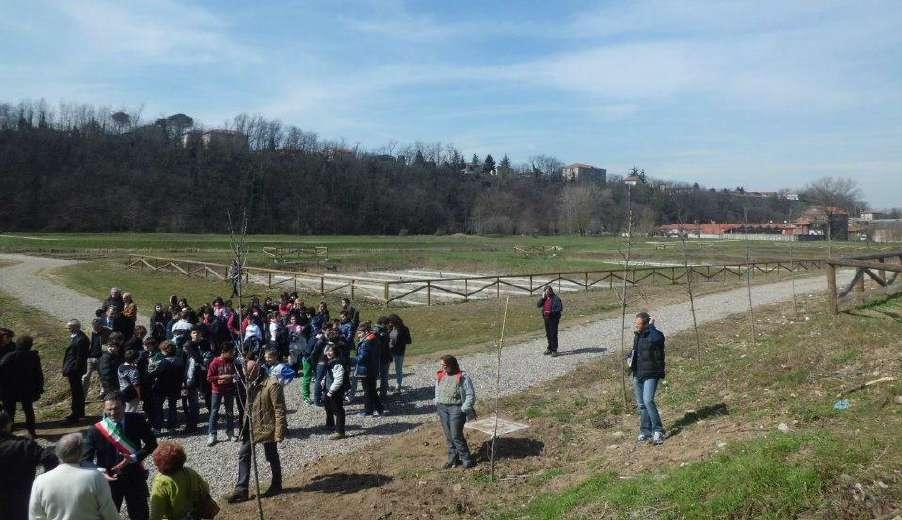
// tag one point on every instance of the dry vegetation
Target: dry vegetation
(726, 455)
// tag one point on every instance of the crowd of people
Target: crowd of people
(231, 361)
(153, 380)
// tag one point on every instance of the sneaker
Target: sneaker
(337, 437)
(238, 496)
(469, 464)
(657, 438)
(156, 432)
(229, 436)
(643, 437)
(553, 354)
(211, 440)
(308, 402)
(364, 414)
(547, 352)
(450, 465)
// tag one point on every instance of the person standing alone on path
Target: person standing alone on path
(552, 307)
(75, 365)
(646, 361)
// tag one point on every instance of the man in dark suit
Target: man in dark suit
(75, 364)
(119, 443)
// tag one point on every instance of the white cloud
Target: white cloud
(159, 31)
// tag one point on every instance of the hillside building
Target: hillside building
(579, 172)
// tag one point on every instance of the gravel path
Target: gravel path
(524, 364)
(23, 280)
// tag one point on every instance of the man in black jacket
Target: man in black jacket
(21, 372)
(647, 365)
(19, 459)
(108, 366)
(75, 364)
(122, 461)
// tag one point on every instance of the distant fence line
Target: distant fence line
(413, 290)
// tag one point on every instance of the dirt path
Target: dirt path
(23, 281)
(524, 366)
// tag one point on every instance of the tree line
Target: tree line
(92, 169)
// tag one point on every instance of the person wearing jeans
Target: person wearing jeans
(454, 399)
(398, 339)
(221, 375)
(646, 362)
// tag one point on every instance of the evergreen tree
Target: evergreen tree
(488, 167)
(504, 167)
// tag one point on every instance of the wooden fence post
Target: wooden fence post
(353, 283)
(386, 295)
(428, 292)
(587, 281)
(466, 291)
(269, 280)
(832, 298)
(322, 286)
(859, 287)
(498, 287)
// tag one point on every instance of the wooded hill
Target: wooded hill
(84, 168)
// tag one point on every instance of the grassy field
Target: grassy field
(457, 328)
(486, 254)
(50, 340)
(752, 433)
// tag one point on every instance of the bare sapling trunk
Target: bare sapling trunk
(239, 250)
(623, 296)
(689, 272)
(498, 386)
(748, 275)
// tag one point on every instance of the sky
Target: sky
(766, 94)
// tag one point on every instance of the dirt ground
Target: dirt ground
(577, 426)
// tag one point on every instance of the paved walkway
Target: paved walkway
(523, 365)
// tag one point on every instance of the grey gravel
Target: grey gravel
(524, 366)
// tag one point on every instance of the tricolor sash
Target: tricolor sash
(113, 433)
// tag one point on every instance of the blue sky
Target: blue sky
(765, 94)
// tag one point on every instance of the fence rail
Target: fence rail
(428, 291)
(872, 267)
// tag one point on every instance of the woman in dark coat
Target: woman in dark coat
(23, 381)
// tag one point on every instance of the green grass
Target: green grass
(436, 330)
(762, 478)
(791, 375)
(461, 252)
(50, 341)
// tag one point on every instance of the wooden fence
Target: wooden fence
(872, 267)
(464, 288)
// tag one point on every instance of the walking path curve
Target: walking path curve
(523, 365)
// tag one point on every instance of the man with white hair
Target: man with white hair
(75, 364)
(115, 300)
(70, 491)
